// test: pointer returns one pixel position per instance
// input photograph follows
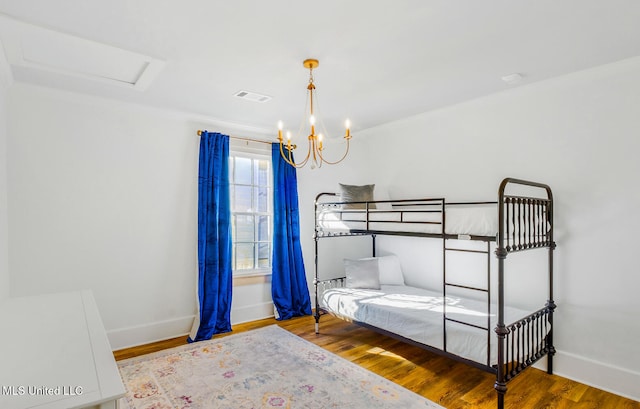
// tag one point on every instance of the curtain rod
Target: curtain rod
(242, 138)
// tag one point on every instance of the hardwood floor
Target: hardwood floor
(449, 383)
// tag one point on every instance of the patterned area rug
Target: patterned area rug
(264, 368)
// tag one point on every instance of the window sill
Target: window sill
(257, 277)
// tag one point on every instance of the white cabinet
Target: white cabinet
(54, 354)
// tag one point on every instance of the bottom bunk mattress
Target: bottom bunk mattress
(417, 314)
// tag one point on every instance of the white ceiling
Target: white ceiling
(379, 60)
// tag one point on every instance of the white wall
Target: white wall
(579, 134)
(5, 83)
(103, 195)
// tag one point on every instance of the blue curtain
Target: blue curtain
(214, 236)
(288, 281)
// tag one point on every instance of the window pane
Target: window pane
(243, 171)
(242, 199)
(264, 255)
(262, 199)
(244, 256)
(251, 180)
(262, 172)
(244, 228)
(263, 228)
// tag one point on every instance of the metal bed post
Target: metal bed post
(315, 285)
(551, 305)
(315, 279)
(373, 244)
(488, 303)
(444, 276)
(501, 330)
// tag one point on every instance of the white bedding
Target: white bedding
(416, 314)
(479, 220)
(460, 220)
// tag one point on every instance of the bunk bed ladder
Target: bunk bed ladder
(446, 284)
(486, 291)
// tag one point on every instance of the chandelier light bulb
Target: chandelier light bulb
(280, 131)
(312, 120)
(288, 135)
(347, 124)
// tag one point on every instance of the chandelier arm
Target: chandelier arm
(282, 153)
(304, 162)
(306, 159)
(287, 158)
(322, 159)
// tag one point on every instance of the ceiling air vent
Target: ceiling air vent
(252, 96)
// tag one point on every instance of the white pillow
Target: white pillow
(390, 270)
(363, 273)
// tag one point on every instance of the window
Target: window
(251, 211)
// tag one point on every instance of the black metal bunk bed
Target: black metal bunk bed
(524, 222)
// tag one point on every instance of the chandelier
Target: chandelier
(315, 148)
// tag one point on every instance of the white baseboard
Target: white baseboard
(161, 330)
(148, 333)
(620, 381)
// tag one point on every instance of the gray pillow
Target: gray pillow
(351, 193)
(363, 273)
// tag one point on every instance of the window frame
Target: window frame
(253, 154)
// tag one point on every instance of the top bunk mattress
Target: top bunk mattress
(459, 219)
